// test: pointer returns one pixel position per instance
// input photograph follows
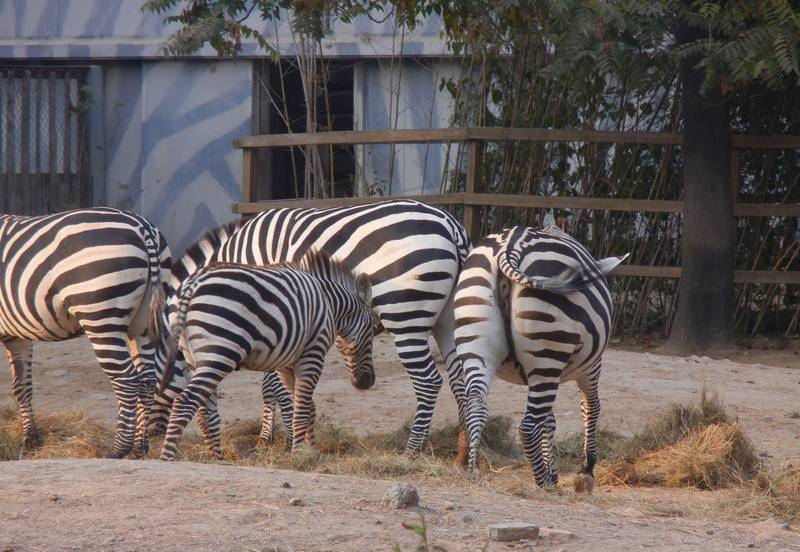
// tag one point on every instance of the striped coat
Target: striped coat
(280, 318)
(533, 308)
(88, 271)
(412, 253)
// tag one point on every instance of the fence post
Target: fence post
(472, 213)
(735, 174)
(248, 189)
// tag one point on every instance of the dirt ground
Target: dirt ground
(98, 505)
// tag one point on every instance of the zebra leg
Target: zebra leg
(20, 354)
(307, 375)
(415, 354)
(443, 332)
(143, 359)
(531, 434)
(590, 409)
(286, 378)
(548, 444)
(210, 425)
(202, 386)
(533, 429)
(273, 394)
(111, 350)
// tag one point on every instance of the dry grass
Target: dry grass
(69, 434)
(697, 445)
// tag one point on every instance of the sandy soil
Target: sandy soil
(151, 505)
(125, 505)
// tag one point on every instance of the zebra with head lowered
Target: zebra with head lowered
(533, 307)
(412, 253)
(281, 317)
(85, 271)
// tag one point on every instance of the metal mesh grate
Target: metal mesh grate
(41, 119)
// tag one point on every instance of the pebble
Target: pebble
(401, 496)
(54, 498)
(286, 485)
(507, 532)
(296, 502)
(466, 518)
(450, 506)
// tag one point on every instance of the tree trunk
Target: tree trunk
(705, 315)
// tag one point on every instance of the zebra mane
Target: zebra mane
(196, 255)
(187, 265)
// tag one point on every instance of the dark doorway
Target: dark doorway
(44, 164)
(279, 107)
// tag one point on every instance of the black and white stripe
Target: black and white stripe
(533, 307)
(85, 271)
(412, 252)
(280, 318)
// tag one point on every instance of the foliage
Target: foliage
(224, 24)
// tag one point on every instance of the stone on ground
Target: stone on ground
(401, 496)
(507, 532)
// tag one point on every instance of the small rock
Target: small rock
(557, 535)
(401, 496)
(749, 381)
(507, 532)
(709, 532)
(231, 495)
(54, 498)
(466, 518)
(296, 502)
(286, 485)
(450, 506)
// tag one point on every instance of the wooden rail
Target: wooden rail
(473, 200)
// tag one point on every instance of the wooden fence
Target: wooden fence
(473, 200)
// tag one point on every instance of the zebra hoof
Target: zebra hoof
(583, 483)
(116, 455)
(411, 453)
(31, 441)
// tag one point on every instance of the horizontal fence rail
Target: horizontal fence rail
(473, 199)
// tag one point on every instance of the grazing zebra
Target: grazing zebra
(280, 317)
(412, 253)
(84, 271)
(533, 308)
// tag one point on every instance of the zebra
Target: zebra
(281, 317)
(533, 307)
(85, 271)
(412, 253)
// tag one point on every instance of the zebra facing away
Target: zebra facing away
(86, 271)
(280, 317)
(412, 253)
(533, 307)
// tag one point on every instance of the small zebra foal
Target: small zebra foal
(280, 317)
(533, 307)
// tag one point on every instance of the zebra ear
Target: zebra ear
(610, 263)
(364, 289)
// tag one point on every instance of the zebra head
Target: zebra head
(354, 334)
(350, 297)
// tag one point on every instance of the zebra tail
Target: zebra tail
(176, 330)
(568, 281)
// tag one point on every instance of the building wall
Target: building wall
(117, 29)
(162, 128)
(168, 132)
(404, 95)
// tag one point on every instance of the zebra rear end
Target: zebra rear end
(533, 308)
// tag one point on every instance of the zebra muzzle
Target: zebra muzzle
(363, 381)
